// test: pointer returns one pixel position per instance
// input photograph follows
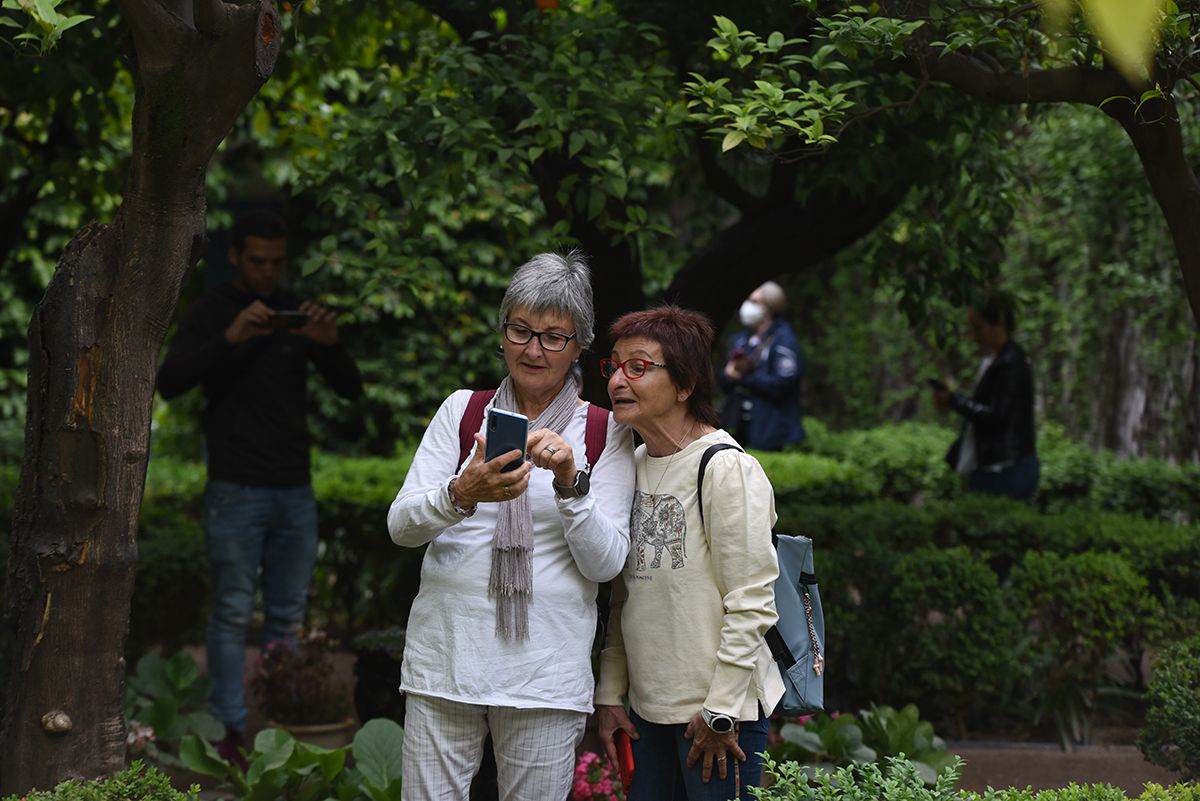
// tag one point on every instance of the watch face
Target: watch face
(580, 487)
(722, 724)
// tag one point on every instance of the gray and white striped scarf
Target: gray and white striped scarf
(511, 582)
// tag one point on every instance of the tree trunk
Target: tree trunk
(1157, 137)
(94, 341)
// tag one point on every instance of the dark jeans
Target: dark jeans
(1018, 481)
(660, 771)
(254, 532)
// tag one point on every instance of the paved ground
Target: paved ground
(1046, 766)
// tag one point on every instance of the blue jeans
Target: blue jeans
(660, 771)
(251, 530)
(1018, 481)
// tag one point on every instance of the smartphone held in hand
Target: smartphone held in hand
(286, 318)
(506, 431)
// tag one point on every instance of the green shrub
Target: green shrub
(856, 549)
(1000, 530)
(363, 580)
(814, 479)
(907, 459)
(899, 780)
(1068, 471)
(135, 783)
(170, 592)
(1148, 487)
(824, 742)
(1171, 735)
(901, 733)
(952, 643)
(1079, 610)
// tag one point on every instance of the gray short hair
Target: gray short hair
(773, 296)
(552, 283)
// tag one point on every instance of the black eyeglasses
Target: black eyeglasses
(633, 368)
(550, 340)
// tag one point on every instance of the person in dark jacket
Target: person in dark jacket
(248, 343)
(996, 450)
(762, 375)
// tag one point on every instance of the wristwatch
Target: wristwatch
(577, 490)
(721, 724)
(459, 510)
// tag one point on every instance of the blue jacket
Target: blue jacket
(769, 395)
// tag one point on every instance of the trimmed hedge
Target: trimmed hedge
(931, 595)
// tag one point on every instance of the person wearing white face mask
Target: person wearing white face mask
(763, 374)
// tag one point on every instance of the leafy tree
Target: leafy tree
(999, 53)
(93, 344)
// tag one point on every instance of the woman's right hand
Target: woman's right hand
(482, 481)
(608, 720)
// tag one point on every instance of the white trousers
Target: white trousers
(443, 746)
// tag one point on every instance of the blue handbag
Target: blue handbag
(797, 640)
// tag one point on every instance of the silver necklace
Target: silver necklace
(653, 500)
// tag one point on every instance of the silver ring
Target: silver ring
(550, 449)
(720, 759)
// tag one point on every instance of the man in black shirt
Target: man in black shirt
(248, 344)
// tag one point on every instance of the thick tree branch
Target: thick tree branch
(1060, 85)
(155, 31)
(213, 17)
(783, 239)
(722, 183)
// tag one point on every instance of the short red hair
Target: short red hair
(686, 338)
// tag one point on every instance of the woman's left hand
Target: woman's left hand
(710, 748)
(550, 451)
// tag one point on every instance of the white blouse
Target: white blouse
(451, 647)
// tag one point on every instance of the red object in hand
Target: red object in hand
(624, 757)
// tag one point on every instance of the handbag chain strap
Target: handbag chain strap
(818, 660)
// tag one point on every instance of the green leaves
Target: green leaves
(48, 24)
(763, 104)
(281, 767)
(169, 696)
(378, 752)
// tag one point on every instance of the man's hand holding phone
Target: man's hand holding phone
(321, 324)
(250, 322)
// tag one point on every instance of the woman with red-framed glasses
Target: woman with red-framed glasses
(685, 644)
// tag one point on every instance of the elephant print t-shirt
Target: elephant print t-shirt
(691, 606)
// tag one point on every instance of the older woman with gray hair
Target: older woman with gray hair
(499, 638)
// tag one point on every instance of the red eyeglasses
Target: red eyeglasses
(633, 368)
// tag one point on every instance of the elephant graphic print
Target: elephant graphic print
(658, 523)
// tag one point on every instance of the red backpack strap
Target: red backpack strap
(595, 434)
(472, 421)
